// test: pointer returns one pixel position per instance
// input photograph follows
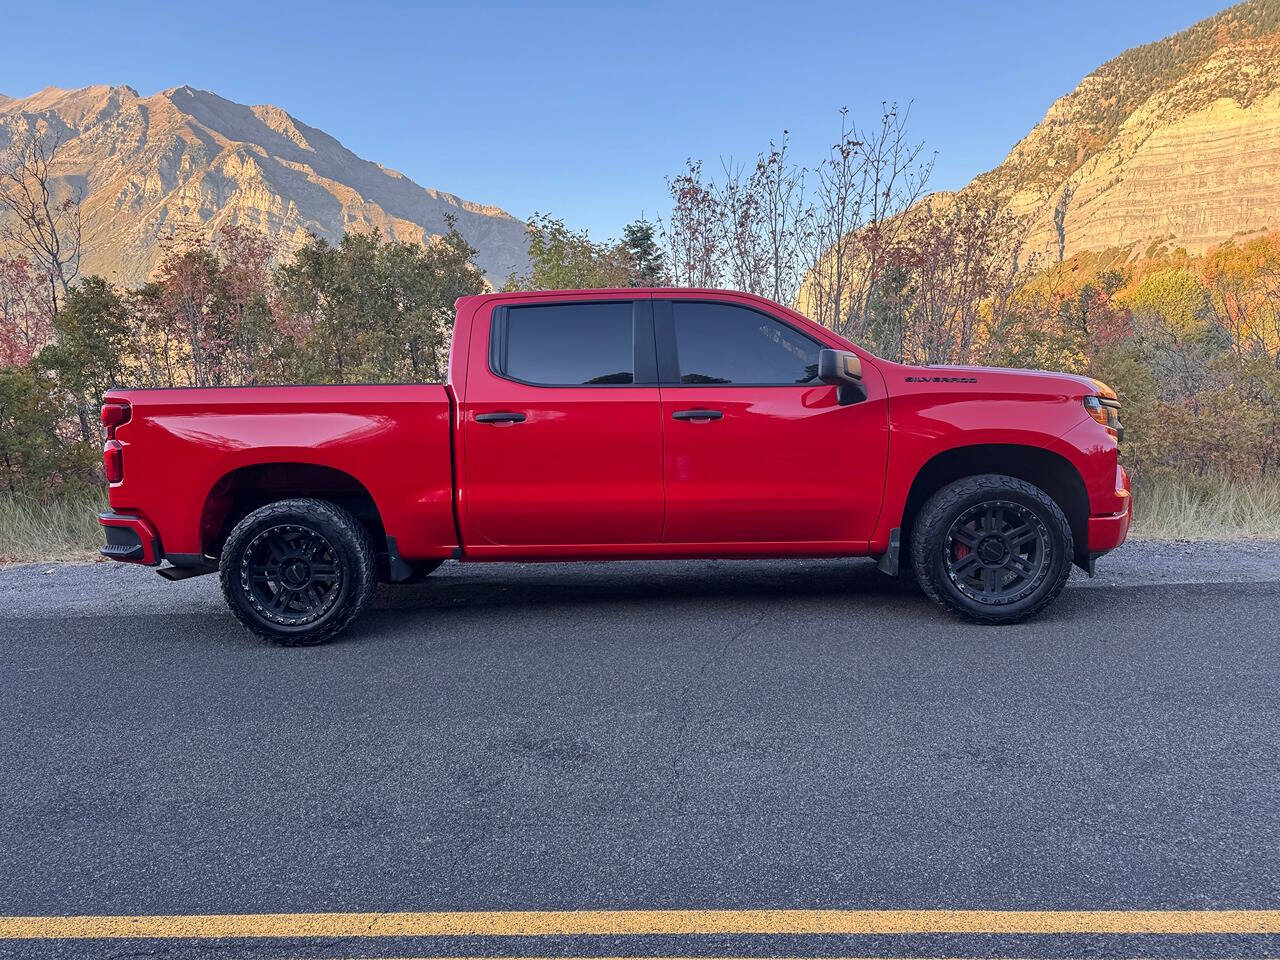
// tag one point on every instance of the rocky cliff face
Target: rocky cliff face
(147, 165)
(1175, 143)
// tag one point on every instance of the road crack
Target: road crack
(685, 720)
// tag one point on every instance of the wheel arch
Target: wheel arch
(244, 489)
(1051, 472)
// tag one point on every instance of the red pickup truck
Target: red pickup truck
(620, 424)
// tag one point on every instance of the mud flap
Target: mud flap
(398, 568)
(888, 563)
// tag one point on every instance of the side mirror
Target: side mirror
(842, 369)
(839, 367)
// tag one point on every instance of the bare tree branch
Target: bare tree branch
(40, 218)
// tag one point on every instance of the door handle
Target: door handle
(698, 415)
(503, 417)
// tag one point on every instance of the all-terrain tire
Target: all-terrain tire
(297, 572)
(992, 513)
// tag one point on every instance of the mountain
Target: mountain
(1174, 143)
(147, 165)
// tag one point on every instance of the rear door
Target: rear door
(756, 450)
(560, 420)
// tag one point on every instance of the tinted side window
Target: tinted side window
(571, 343)
(722, 343)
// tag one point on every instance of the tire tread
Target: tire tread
(360, 546)
(941, 504)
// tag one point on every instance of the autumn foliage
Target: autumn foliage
(220, 310)
(26, 317)
(1192, 344)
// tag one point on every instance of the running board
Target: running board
(186, 573)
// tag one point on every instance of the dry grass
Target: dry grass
(1200, 510)
(66, 528)
(60, 528)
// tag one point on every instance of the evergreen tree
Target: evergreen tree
(647, 264)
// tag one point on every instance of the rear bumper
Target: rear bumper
(129, 539)
(1106, 532)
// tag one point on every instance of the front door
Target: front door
(561, 436)
(755, 450)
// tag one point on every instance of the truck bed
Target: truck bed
(188, 454)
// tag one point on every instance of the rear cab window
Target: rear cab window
(572, 344)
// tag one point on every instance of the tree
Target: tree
(43, 217)
(206, 315)
(943, 283)
(760, 229)
(763, 224)
(746, 231)
(956, 252)
(412, 319)
(180, 309)
(452, 271)
(1176, 295)
(26, 324)
(371, 311)
(244, 300)
(315, 302)
(1092, 320)
(646, 265)
(693, 232)
(564, 259)
(35, 458)
(786, 220)
(745, 261)
(868, 180)
(1243, 285)
(89, 355)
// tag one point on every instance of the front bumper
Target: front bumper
(1106, 532)
(130, 539)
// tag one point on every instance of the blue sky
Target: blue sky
(580, 109)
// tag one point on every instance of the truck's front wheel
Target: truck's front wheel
(298, 571)
(992, 548)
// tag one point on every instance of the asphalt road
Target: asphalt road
(647, 735)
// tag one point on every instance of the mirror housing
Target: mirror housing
(839, 367)
(843, 369)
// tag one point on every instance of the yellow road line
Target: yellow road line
(544, 923)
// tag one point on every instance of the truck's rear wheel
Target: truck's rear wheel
(992, 548)
(298, 571)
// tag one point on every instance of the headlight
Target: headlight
(1106, 410)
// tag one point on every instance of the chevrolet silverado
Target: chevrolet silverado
(620, 424)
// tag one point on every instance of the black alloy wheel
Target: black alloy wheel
(991, 548)
(291, 574)
(298, 571)
(998, 552)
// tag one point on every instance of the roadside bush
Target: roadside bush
(36, 455)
